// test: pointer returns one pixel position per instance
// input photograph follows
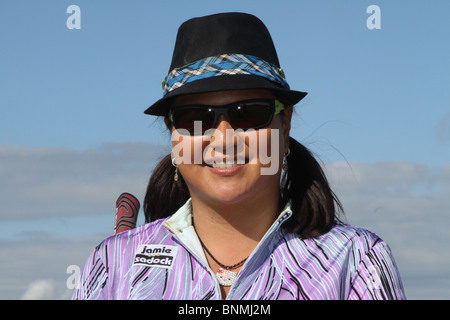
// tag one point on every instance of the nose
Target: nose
(223, 124)
(223, 137)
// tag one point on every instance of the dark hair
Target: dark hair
(313, 203)
(164, 196)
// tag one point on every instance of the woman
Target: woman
(220, 222)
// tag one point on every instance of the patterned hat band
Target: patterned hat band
(225, 64)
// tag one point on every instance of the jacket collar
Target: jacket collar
(180, 224)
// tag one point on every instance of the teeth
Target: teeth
(223, 165)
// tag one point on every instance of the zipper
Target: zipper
(196, 250)
(179, 236)
(284, 215)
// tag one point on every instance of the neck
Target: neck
(231, 232)
(241, 225)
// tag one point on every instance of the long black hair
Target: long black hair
(314, 205)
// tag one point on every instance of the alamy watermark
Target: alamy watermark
(74, 20)
(374, 280)
(374, 20)
(73, 280)
(234, 147)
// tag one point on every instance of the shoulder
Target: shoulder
(351, 235)
(347, 242)
(153, 232)
(369, 263)
(341, 239)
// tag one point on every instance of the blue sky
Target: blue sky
(73, 134)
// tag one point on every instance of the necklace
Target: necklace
(224, 275)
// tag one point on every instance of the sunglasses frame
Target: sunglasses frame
(275, 105)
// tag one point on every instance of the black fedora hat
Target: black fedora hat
(225, 51)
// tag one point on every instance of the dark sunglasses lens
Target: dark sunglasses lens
(251, 115)
(185, 118)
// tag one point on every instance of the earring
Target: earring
(175, 177)
(285, 163)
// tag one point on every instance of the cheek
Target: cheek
(186, 149)
(264, 147)
(270, 150)
(272, 140)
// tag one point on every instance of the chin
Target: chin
(229, 197)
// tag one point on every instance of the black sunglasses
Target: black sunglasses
(246, 114)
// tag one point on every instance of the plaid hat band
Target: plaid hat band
(225, 64)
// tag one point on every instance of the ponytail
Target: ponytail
(164, 196)
(313, 203)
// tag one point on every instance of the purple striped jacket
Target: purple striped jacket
(164, 260)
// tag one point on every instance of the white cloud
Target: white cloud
(405, 203)
(39, 290)
(36, 267)
(38, 182)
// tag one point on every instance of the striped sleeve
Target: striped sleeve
(93, 279)
(377, 276)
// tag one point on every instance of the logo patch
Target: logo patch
(155, 255)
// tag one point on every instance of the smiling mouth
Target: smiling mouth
(226, 164)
